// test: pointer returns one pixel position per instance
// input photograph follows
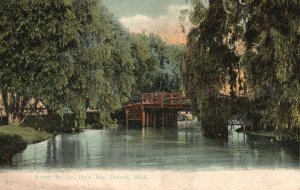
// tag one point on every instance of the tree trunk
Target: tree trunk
(80, 118)
(14, 107)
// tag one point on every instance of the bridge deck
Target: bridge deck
(152, 108)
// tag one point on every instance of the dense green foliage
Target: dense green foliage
(68, 54)
(36, 38)
(210, 64)
(272, 63)
(158, 65)
(270, 32)
(103, 75)
(73, 55)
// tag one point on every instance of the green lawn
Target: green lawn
(27, 134)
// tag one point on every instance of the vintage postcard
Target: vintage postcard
(149, 94)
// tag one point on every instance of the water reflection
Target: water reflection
(157, 148)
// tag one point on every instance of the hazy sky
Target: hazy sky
(151, 16)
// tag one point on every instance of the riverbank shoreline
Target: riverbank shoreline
(292, 145)
(35, 129)
(143, 147)
(265, 134)
(14, 139)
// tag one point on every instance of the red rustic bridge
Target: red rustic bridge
(151, 109)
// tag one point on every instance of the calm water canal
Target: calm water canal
(154, 148)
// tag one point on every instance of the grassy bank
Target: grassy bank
(42, 127)
(14, 139)
(27, 134)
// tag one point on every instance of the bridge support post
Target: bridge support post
(126, 118)
(163, 119)
(154, 119)
(143, 118)
(172, 119)
(170, 122)
(147, 118)
(175, 118)
(166, 118)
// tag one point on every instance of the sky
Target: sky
(151, 16)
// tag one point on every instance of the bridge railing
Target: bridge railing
(161, 99)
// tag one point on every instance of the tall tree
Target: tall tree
(66, 53)
(146, 63)
(270, 31)
(158, 65)
(272, 64)
(35, 41)
(168, 76)
(210, 63)
(103, 73)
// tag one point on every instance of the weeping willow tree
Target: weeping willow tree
(66, 53)
(145, 62)
(272, 64)
(158, 65)
(269, 31)
(168, 76)
(211, 62)
(36, 61)
(103, 75)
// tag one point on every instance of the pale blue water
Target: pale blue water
(154, 148)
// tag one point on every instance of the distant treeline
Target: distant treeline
(74, 54)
